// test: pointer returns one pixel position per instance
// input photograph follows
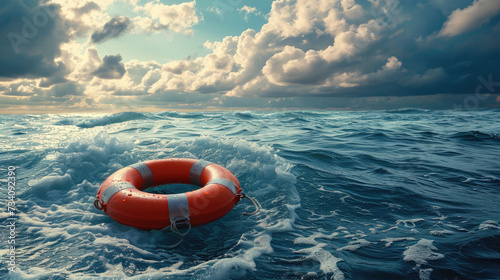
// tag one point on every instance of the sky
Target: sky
(156, 55)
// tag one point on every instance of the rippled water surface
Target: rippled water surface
(407, 194)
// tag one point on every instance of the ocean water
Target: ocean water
(406, 194)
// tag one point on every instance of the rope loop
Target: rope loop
(255, 203)
(181, 223)
(176, 244)
(98, 204)
(175, 225)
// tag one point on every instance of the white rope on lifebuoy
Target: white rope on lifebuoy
(173, 228)
(255, 203)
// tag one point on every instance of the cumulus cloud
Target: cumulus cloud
(111, 68)
(335, 48)
(112, 29)
(83, 16)
(177, 17)
(318, 48)
(464, 20)
(248, 11)
(393, 63)
(351, 9)
(293, 66)
(388, 76)
(284, 58)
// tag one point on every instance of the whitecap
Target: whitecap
(422, 252)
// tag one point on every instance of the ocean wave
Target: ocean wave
(475, 136)
(246, 115)
(183, 115)
(344, 195)
(64, 201)
(408, 111)
(103, 120)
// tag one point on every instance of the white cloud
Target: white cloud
(81, 18)
(81, 65)
(275, 70)
(248, 11)
(26, 89)
(215, 10)
(391, 72)
(295, 18)
(177, 17)
(393, 63)
(335, 23)
(351, 9)
(464, 20)
(138, 79)
(293, 66)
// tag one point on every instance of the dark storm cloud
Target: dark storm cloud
(112, 29)
(462, 58)
(30, 39)
(57, 78)
(111, 68)
(430, 64)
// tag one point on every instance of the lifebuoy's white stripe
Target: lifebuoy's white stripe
(196, 170)
(178, 206)
(225, 182)
(146, 173)
(116, 187)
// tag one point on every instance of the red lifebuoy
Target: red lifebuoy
(121, 195)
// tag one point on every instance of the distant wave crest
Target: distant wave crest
(104, 120)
